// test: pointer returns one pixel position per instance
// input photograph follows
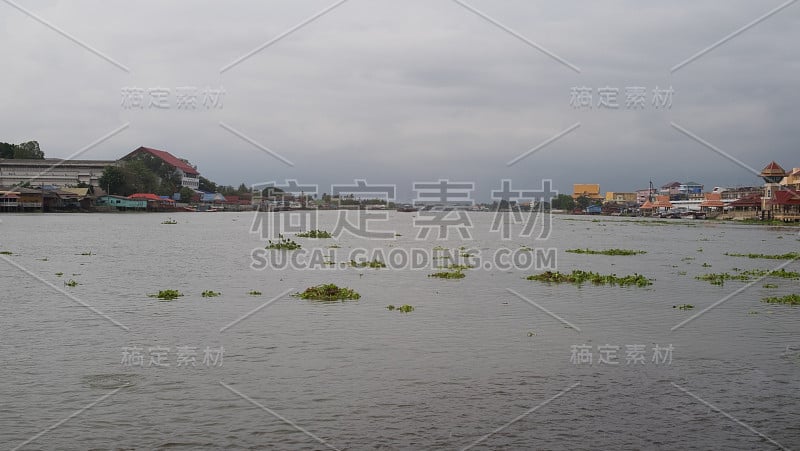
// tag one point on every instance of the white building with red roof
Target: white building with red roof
(190, 177)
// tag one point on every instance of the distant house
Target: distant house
(670, 189)
(190, 177)
(643, 195)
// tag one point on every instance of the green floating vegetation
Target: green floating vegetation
(606, 251)
(254, 293)
(787, 256)
(315, 234)
(405, 308)
(167, 295)
(71, 283)
(770, 285)
(373, 264)
(706, 265)
(283, 243)
(456, 267)
(744, 276)
(59, 274)
(334, 246)
(683, 306)
(789, 299)
(578, 277)
(210, 294)
(448, 275)
(6, 253)
(43, 259)
(87, 253)
(440, 248)
(328, 292)
(169, 221)
(465, 255)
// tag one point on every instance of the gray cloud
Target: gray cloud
(415, 90)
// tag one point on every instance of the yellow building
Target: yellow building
(792, 179)
(590, 190)
(612, 196)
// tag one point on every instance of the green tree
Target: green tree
(583, 202)
(140, 179)
(186, 194)
(207, 185)
(113, 180)
(7, 150)
(29, 150)
(563, 202)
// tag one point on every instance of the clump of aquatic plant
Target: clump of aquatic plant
(6, 253)
(169, 221)
(606, 251)
(328, 292)
(43, 259)
(210, 294)
(373, 264)
(683, 306)
(59, 274)
(465, 255)
(787, 256)
(334, 246)
(167, 295)
(744, 276)
(390, 307)
(254, 293)
(456, 267)
(720, 278)
(790, 299)
(405, 308)
(87, 253)
(448, 275)
(315, 234)
(706, 265)
(71, 283)
(283, 243)
(439, 248)
(578, 277)
(770, 285)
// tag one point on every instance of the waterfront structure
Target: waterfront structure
(784, 205)
(772, 175)
(121, 203)
(590, 190)
(190, 177)
(712, 203)
(748, 207)
(52, 172)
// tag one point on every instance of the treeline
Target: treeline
(27, 150)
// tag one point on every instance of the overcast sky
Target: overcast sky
(416, 90)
